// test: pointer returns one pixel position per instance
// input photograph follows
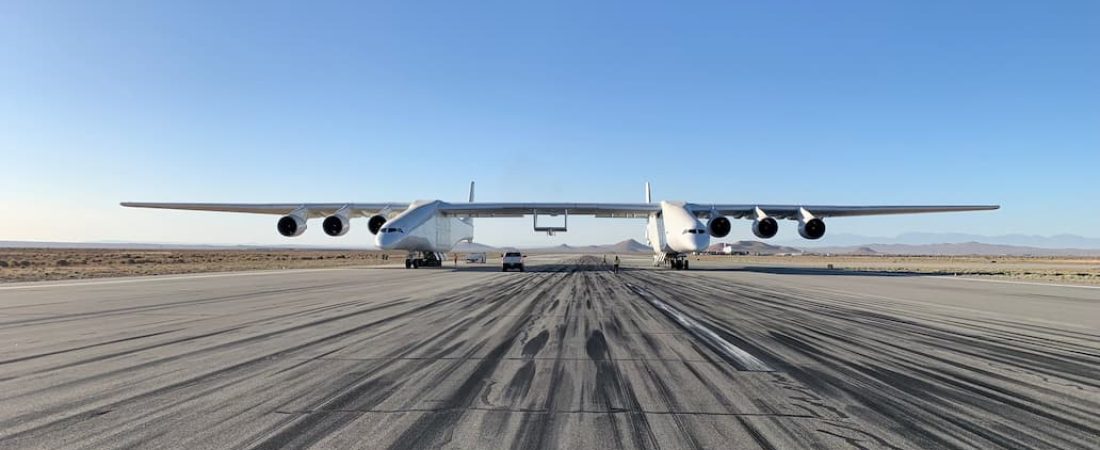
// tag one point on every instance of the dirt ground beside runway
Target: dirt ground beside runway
(66, 264)
(1040, 269)
(69, 264)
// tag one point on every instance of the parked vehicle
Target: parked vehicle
(512, 260)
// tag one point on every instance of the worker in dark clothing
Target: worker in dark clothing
(616, 263)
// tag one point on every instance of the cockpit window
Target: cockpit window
(695, 231)
(392, 230)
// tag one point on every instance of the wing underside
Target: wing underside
(310, 210)
(795, 211)
(610, 210)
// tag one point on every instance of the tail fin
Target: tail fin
(648, 195)
(471, 192)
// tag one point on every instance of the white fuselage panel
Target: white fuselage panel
(423, 228)
(682, 231)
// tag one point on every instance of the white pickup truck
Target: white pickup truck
(513, 260)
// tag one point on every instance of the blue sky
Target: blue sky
(860, 102)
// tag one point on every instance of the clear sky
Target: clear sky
(840, 102)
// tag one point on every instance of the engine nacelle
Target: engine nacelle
(811, 229)
(765, 227)
(719, 227)
(375, 223)
(336, 225)
(291, 226)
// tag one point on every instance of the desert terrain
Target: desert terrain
(67, 264)
(1076, 270)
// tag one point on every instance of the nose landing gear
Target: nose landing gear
(416, 260)
(677, 262)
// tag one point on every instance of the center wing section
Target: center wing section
(622, 210)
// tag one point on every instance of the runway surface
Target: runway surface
(567, 355)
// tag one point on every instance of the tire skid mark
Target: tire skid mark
(86, 347)
(310, 428)
(735, 355)
(249, 363)
(57, 318)
(929, 377)
(855, 373)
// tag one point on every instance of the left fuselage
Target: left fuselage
(423, 228)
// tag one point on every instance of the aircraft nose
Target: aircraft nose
(692, 241)
(387, 239)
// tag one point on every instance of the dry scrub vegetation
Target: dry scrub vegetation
(65, 264)
(1046, 269)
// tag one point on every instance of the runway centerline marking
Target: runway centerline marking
(747, 361)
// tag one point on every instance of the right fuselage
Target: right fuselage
(675, 230)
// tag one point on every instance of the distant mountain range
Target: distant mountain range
(973, 247)
(953, 249)
(627, 246)
(754, 248)
(1058, 241)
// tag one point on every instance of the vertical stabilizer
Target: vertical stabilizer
(648, 195)
(471, 192)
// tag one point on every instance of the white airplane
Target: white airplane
(426, 228)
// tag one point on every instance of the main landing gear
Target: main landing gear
(416, 260)
(677, 262)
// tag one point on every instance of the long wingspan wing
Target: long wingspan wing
(624, 210)
(794, 211)
(628, 210)
(312, 209)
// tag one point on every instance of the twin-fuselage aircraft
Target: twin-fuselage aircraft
(428, 228)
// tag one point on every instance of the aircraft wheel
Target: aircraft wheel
(685, 264)
(408, 264)
(416, 264)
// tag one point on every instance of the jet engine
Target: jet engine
(291, 225)
(375, 223)
(336, 225)
(811, 229)
(719, 227)
(765, 227)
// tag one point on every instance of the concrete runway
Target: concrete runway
(566, 355)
